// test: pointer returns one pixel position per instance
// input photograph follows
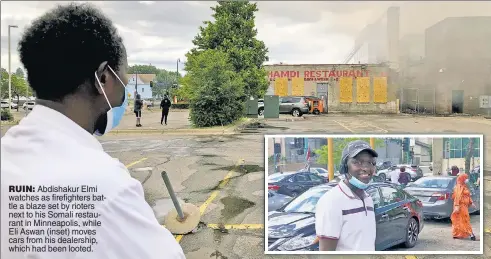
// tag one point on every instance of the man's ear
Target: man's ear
(101, 77)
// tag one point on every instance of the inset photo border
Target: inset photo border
(297, 176)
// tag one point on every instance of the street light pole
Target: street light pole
(177, 69)
(136, 82)
(10, 72)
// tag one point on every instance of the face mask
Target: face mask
(115, 114)
(357, 183)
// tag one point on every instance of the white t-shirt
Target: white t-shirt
(48, 149)
(342, 215)
(394, 176)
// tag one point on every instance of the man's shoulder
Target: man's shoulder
(332, 195)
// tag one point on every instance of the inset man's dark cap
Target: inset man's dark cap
(356, 147)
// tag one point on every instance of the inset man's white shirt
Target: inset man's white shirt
(49, 149)
(342, 215)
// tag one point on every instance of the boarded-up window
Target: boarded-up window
(363, 89)
(345, 90)
(380, 89)
(281, 86)
(298, 86)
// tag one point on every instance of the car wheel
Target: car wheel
(316, 112)
(382, 175)
(261, 112)
(296, 112)
(412, 232)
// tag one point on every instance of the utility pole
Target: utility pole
(177, 73)
(330, 158)
(136, 83)
(10, 72)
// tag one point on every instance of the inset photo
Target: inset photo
(373, 194)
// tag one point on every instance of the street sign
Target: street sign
(484, 102)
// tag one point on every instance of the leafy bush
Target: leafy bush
(217, 97)
(6, 115)
(180, 106)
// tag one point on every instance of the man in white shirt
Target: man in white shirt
(394, 176)
(345, 217)
(76, 64)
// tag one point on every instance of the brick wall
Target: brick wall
(331, 74)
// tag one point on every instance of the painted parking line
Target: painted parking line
(236, 226)
(377, 127)
(487, 230)
(136, 162)
(214, 194)
(411, 257)
(344, 126)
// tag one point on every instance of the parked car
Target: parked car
(398, 215)
(294, 105)
(277, 200)
(5, 104)
(384, 165)
(322, 172)
(28, 105)
(435, 192)
(413, 170)
(293, 183)
(260, 107)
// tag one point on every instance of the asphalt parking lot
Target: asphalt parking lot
(203, 171)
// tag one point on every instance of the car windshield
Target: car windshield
(432, 182)
(307, 201)
(277, 178)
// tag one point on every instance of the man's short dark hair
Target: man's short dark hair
(62, 49)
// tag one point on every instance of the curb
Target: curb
(206, 131)
(177, 131)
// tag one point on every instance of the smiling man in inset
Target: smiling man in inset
(345, 218)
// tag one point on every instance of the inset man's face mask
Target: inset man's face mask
(115, 114)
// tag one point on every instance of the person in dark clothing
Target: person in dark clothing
(404, 177)
(165, 105)
(454, 170)
(138, 109)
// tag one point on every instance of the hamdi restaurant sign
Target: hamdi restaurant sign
(318, 75)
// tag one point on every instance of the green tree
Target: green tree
(234, 33)
(19, 86)
(339, 144)
(19, 72)
(143, 69)
(165, 81)
(215, 99)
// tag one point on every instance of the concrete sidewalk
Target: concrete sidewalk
(150, 120)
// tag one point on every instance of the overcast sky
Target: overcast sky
(159, 33)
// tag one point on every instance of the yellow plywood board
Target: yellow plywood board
(380, 89)
(363, 89)
(345, 89)
(298, 86)
(281, 86)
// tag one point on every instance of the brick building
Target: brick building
(345, 87)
